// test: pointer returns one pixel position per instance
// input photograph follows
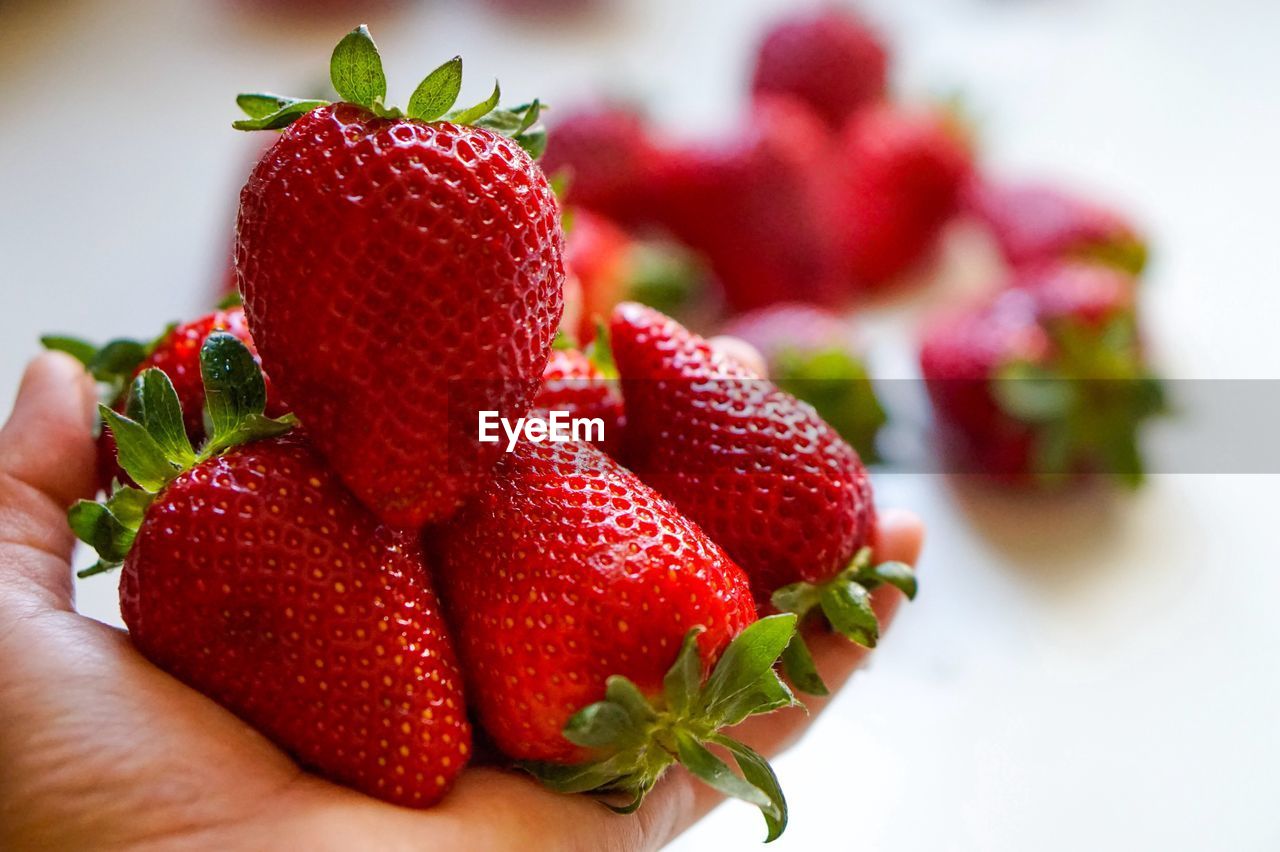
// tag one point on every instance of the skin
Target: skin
(98, 748)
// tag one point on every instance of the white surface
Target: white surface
(1078, 672)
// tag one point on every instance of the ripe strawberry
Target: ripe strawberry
(758, 470)
(830, 59)
(759, 208)
(613, 266)
(609, 159)
(814, 355)
(1044, 382)
(1035, 224)
(902, 183)
(587, 613)
(390, 262)
(584, 385)
(253, 576)
(177, 353)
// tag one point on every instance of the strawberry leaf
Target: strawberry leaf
(235, 395)
(680, 686)
(437, 93)
(757, 771)
(714, 772)
(473, 114)
(82, 350)
(139, 453)
(746, 661)
(797, 662)
(162, 416)
(355, 69)
(289, 112)
(847, 607)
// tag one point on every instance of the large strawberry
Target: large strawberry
(830, 59)
(814, 354)
(588, 612)
(759, 207)
(1035, 224)
(903, 174)
(1045, 381)
(252, 575)
(758, 470)
(401, 272)
(176, 352)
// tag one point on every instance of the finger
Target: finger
(899, 537)
(46, 463)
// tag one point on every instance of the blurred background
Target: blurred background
(1087, 669)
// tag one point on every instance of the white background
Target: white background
(1080, 671)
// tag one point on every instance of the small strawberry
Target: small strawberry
(814, 355)
(609, 160)
(1044, 382)
(583, 384)
(1036, 224)
(613, 266)
(391, 261)
(903, 177)
(758, 470)
(588, 612)
(759, 208)
(253, 576)
(176, 352)
(830, 59)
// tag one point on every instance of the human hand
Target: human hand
(98, 748)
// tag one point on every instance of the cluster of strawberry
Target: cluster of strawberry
(834, 193)
(366, 580)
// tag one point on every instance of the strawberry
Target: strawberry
(830, 59)
(759, 208)
(902, 183)
(757, 470)
(584, 385)
(609, 160)
(392, 261)
(253, 576)
(1034, 224)
(813, 354)
(588, 611)
(176, 352)
(1045, 381)
(613, 266)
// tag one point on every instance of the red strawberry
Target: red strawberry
(759, 208)
(1036, 224)
(759, 471)
(177, 353)
(578, 384)
(1046, 380)
(606, 153)
(814, 355)
(252, 575)
(613, 266)
(830, 59)
(587, 613)
(391, 262)
(903, 179)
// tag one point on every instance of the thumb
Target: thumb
(46, 463)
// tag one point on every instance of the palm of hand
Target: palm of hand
(98, 747)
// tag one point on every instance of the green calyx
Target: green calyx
(837, 385)
(600, 353)
(845, 602)
(663, 276)
(154, 448)
(112, 365)
(1087, 405)
(355, 70)
(635, 738)
(1126, 253)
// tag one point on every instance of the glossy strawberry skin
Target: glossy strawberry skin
(568, 570)
(389, 267)
(903, 177)
(829, 59)
(759, 471)
(257, 579)
(573, 384)
(963, 351)
(1035, 224)
(760, 208)
(178, 355)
